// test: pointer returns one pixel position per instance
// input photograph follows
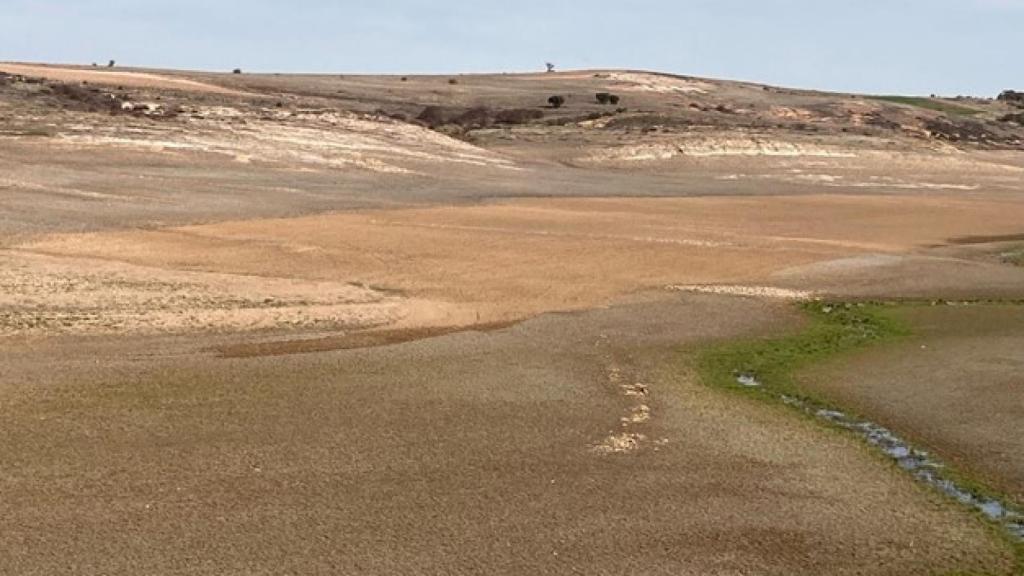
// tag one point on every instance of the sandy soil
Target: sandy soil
(956, 387)
(510, 260)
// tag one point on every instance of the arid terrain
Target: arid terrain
(312, 324)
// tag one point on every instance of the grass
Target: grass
(834, 329)
(930, 104)
(1015, 256)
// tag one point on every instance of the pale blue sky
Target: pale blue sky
(881, 46)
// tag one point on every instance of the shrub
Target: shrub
(556, 101)
(110, 64)
(453, 81)
(473, 118)
(1012, 97)
(1014, 118)
(603, 97)
(236, 71)
(613, 100)
(518, 116)
(405, 78)
(434, 116)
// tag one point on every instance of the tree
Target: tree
(110, 64)
(550, 67)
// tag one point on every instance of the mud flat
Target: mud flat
(954, 387)
(790, 370)
(455, 454)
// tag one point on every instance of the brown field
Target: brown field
(263, 324)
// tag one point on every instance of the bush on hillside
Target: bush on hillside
(518, 116)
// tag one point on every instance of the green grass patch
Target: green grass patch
(1015, 256)
(930, 104)
(834, 329)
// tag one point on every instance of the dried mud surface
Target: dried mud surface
(458, 454)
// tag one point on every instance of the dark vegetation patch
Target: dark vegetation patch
(1017, 118)
(878, 120)
(518, 115)
(648, 121)
(566, 120)
(1015, 256)
(1012, 97)
(476, 118)
(556, 101)
(967, 131)
(83, 97)
(967, 240)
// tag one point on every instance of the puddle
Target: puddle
(918, 463)
(748, 381)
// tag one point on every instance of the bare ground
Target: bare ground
(955, 387)
(459, 454)
(234, 314)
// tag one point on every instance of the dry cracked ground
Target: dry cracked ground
(271, 324)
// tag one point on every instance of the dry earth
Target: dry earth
(957, 387)
(261, 324)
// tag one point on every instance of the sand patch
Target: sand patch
(714, 147)
(658, 83)
(507, 261)
(749, 291)
(44, 295)
(330, 139)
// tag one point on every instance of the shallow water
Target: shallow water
(748, 380)
(922, 465)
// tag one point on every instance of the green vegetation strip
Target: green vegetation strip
(930, 104)
(1015, 257)
(835, 328)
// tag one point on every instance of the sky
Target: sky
(945, 47)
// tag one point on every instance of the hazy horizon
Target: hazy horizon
(946, 47)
